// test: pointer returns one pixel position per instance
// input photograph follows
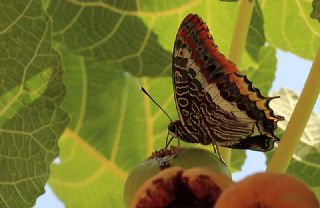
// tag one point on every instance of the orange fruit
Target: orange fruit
(268, 190)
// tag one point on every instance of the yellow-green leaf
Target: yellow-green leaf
(288, 26)
(263, 72)
(256, 38)
(114, 127)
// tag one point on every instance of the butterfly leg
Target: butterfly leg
(216, 151)
(214, 148)
(168, 142)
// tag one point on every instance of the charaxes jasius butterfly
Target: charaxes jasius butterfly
(216, 104)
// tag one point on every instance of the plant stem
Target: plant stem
(290, 140)
(240, 32)
(237, 48)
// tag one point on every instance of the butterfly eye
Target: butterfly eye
(172, 128)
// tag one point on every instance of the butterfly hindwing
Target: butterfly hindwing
(215, 102)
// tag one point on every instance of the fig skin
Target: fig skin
(175, 157)
(268, 190)
(178, 187)
(149, 186)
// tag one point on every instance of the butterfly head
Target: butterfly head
(177, 130)
(173, 128)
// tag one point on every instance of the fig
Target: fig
(163, 159)
(181, 188)
(268, 190)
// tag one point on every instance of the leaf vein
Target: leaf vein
(296, 157)
(79, 184)
(83, 103)
(283, 20)
(16, 97)
(120, 123)
(70, 24)
(103, 40)
(136, 13)
(303, 15)
(17, 19)
(114, 168)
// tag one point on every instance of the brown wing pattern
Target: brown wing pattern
(215, 102)
(205, 118)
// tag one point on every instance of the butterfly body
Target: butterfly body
(215, 102)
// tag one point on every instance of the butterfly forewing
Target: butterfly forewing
(215, 102)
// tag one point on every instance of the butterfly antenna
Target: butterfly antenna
(145, 92)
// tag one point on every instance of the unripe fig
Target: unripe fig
(268, 190)
(185, 158)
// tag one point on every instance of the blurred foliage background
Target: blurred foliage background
(108, 50)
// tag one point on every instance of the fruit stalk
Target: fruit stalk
(237, 48)
(290, 140)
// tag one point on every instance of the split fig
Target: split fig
(180, 188)
(268, 190)
(185, 158)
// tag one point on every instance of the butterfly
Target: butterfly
(216, 104)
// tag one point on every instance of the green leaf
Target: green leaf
(317, 192)
(230, 0)
(288, 26)
(262, 74)
(255, 40)
(305, 161)
(140, 36)
(315, 14)
(97, 29)
(31, 119)
(237, 159)
(114, 128)
(235, 0)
